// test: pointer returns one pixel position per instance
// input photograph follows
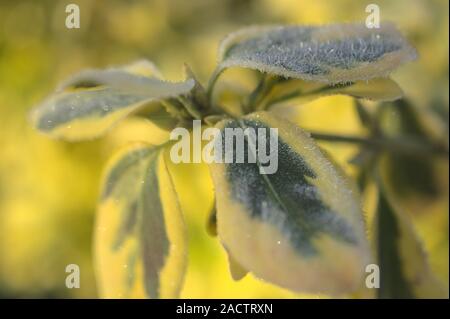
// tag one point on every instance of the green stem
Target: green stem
(212, 82)
(256, 95)
(283, 98)
(299, 93)
(404, 145)
(191, 108)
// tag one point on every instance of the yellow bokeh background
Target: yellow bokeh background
(49, 188)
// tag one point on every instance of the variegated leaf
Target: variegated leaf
(93, 101)
(140, 238)
(299, 92)
(338, 53)
(410, 176)
(236, 270)
(301, 227)
(404, 268)
(211, 222)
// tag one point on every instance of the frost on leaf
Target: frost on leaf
(140, 237)
(301, 227)
(91, 102)
(332, 54)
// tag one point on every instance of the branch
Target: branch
(404, 145)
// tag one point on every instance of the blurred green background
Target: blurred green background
(48, 188)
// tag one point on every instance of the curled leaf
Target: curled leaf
(198, 93)
(300, 227)
(140, 236)
(300, 92)
(90, 103)
(132, 77)
(336, 53)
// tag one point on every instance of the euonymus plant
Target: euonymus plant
(301, 228)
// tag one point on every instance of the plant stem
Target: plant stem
(299, 93)
(404, 145)
(191, 108)
(212, 82)
(254, 95)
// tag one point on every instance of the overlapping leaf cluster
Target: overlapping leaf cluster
(301, 228)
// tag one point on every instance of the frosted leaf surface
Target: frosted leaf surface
(332, 54)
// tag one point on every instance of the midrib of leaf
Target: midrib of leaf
(141, 213)
(127, 167)
(273, 191)
(152, 266)
(130, 215)
(393, 285)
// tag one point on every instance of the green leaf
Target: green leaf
(90, 103)
(404, 269)
(132, 77)
(140, 238)
(159, 115)
(440, 109)
(211, 222)
(380, 89)
(301, 227)
(365, 160)
(408, 175)
(298, 92)
(198, 93)
(236, 270)
(364, 115)
(338, 53)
